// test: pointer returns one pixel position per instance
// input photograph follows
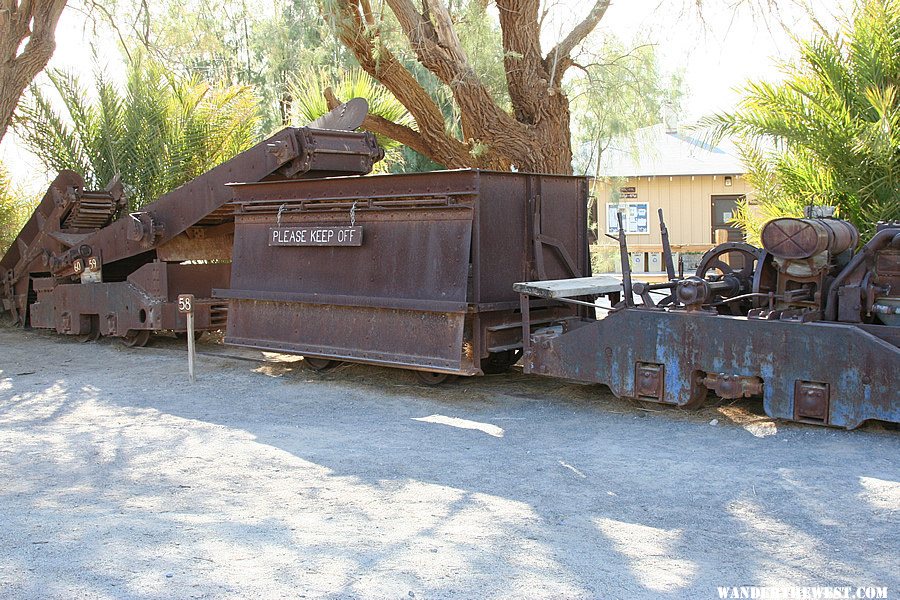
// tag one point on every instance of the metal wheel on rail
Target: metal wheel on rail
(432, 378)
(321, 365)
(137, 338)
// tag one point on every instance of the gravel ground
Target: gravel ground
(123, 480)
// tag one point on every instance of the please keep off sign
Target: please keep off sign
(315, 236)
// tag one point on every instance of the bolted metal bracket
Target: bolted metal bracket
(648, 381)
(812, 401)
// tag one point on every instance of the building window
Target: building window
(635, 217)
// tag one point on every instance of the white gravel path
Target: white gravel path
(122, 480)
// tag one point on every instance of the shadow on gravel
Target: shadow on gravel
(272, 480)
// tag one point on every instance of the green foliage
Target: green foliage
(308, 92)
(14, 211)
(830, 132)
(157, 132)
(619, 92)
(266, 46)
(783, 184)
(481, 38)
(260, 45)
(605, 259)
(309, 104)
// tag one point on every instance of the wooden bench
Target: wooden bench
(570, 288)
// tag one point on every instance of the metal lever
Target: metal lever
(626, 264)
(667, 249)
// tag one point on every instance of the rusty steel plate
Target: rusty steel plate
(852, 378)
(428, 282)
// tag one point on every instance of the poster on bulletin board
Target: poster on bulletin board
(635, 217)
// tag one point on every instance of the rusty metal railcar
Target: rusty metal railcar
(802, 322)
(426, 284)
(83, 265)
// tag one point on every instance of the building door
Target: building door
(723, 208)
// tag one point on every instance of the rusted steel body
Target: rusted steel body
(667, 356)
(144, 301)
(430, 286)
(827, 356)
(80, 270)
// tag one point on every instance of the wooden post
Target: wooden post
(186, 306)
(721, 238)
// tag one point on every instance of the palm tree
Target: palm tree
(156, 132)
(14, 210)
(829, 133)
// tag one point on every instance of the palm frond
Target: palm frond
(835, 120)
(15, 208)
(157, 131)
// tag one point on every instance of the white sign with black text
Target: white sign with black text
(635, 217)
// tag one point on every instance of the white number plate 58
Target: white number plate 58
(185, 303)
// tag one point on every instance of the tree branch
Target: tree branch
(438, 48)
(526, 76)
(349, 19)
(559, 58)
(538, 137)
(34, 21)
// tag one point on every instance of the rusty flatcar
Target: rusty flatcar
(805, 322)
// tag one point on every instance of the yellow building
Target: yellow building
(695, 184)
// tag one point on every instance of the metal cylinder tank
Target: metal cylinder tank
(790, 238)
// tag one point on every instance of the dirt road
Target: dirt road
(123, 480)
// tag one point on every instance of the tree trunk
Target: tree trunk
(536, 137)
(27, 41)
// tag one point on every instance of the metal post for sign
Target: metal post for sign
(186, 306)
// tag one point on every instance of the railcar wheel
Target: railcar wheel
(431, 378)
(500, 362)
(136, 338)
(94, 334)
(321, 365)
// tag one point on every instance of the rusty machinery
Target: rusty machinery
(805, 322)
(413, 271)
(86, 266)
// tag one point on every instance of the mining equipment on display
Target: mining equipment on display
(85, 265)
(290, 247)
(413, 271)
(805, 322)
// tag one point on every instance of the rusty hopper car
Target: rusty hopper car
(83, 265)
(803, 322)
(412, 271)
